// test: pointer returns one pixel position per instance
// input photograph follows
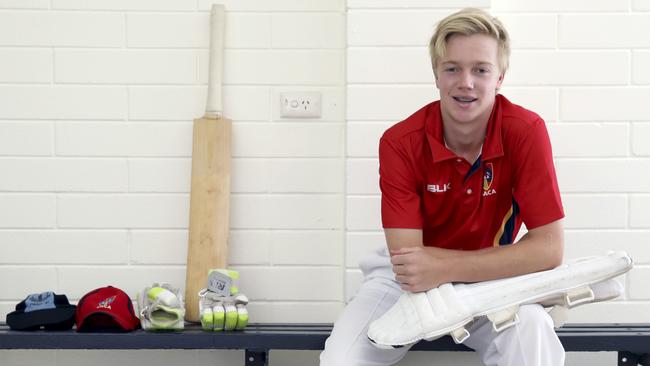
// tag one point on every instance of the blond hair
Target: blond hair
(467, 22)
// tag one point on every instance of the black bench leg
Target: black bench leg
(257, 357)
(633, 359)
(627, 359)
(644, 360)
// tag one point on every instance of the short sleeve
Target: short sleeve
(400, 197)
(535, 183)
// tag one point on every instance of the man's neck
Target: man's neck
(465, 141)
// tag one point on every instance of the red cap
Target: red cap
(106, 308)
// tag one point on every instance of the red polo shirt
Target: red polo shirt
(462, 206)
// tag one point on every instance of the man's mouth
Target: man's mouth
(465, 99)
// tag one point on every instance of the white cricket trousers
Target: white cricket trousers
(531, 342)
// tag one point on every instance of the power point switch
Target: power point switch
(300, 105)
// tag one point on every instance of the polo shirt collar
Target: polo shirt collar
(492, 146)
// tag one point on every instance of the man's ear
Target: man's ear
(500, 81)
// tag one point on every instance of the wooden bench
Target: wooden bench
(631, 341)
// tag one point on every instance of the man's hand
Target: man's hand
(418, 268)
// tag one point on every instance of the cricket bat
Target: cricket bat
(210, 192)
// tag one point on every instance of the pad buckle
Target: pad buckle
(504, 319)
(459, 335)
(579, 296)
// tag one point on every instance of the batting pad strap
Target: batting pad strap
(579, 296)
(422, 308)
(559, 314)
(459, 335)
(504, 319)
(451, 299)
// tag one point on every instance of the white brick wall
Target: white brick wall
(367, 26)
(569, 68)
(543, 100)
(620, 103)
(389, 102)
(519, 25)
(606, 211)
(601, 139)
(81, 66)
(97, 99)
(62, 102)
(27, 210)
(613, 31)
(61, 29)
(640, 138)
(26, 138)
(604, 176)
(19, 65)
(558, 6)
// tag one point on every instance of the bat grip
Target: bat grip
(214, 106)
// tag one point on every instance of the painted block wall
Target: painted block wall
(96, 107)
(97, 99)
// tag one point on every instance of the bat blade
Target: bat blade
(209, 207)
(210, 195)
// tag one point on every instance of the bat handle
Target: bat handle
(214, 106)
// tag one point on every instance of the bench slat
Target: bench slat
(579, 337)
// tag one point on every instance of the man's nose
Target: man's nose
(466, 80)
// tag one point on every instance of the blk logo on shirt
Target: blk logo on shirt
(438, 188)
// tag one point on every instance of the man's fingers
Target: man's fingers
(406, 280)
(411, 287)
(400, 259)
(402, 250)
(401, 269)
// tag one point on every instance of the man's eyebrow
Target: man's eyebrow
(473, 63)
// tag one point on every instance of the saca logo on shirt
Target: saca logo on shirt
(438, 188)
(488, 177)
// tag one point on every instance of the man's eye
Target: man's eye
(481, 70)
(451, 69)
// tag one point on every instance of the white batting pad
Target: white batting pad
(449, 307)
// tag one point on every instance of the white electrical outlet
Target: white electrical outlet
(300, 104)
